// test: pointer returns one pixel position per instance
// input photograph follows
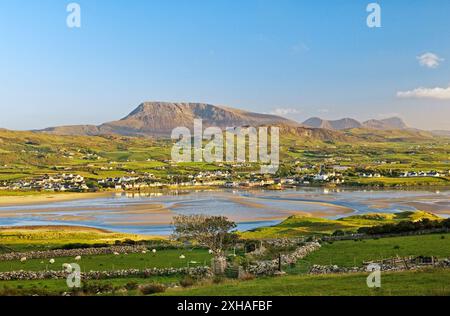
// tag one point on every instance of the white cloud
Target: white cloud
(285, 111)
(426, 93)
(429, 60)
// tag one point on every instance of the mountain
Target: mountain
(343, 124)
(160, 118)
(349, 123)
(442, 133)
(73, 130)
(386, 124)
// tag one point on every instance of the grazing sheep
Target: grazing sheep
(116, 253)
(154, 250)
(78, 258)
(144, 252)
(52, 261)
(23, 259)
(182, 257)
(67, 267)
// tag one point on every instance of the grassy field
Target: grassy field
(296, 226)
(429, 282)
(27, 155)
(297, 282)
(354, 253)
(162, 259)
(404, 182)
(42, 238)
(57, 287)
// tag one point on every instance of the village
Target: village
(133, 181)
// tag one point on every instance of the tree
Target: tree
(214, 232)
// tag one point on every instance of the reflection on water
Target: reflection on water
(151, 213)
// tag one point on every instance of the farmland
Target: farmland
(297, 281)
(26, 155)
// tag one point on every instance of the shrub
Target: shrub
(405, 227)
(131, 285)
(245, 276)
(94, 288)
(82, 246)
(339, 232)
(187, 281)
(152, 288)
(217, 279)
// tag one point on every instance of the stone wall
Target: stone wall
(334, 269)
(270, 267)
(98, 275)
(71, 252)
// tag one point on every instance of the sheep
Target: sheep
(23, 259)
(182, 257)
(52, 261)
(78, 258)
(67, 267)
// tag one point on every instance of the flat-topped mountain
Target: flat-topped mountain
(160, 118)
(392, 123)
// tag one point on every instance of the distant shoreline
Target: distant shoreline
(43, 198)
(30, 198)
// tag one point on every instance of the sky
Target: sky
(296, 58)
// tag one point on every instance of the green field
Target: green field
(25, 155)
(429, 282)
(49, 237)
(354, 253)
(57, 287)
(404, 182)
(296, 226)
(162, 259)
(296, 282)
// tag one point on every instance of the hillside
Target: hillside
(386, 124)
(393, 123)
(342, 124)
(295, 226)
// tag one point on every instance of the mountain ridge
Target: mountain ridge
(158, 119)
(391, 123)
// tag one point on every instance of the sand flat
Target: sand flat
(45, 198)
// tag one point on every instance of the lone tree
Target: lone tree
(214, 232)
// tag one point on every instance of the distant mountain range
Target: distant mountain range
(158, 119)
(393, 123)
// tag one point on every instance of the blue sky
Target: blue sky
(298, 58)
